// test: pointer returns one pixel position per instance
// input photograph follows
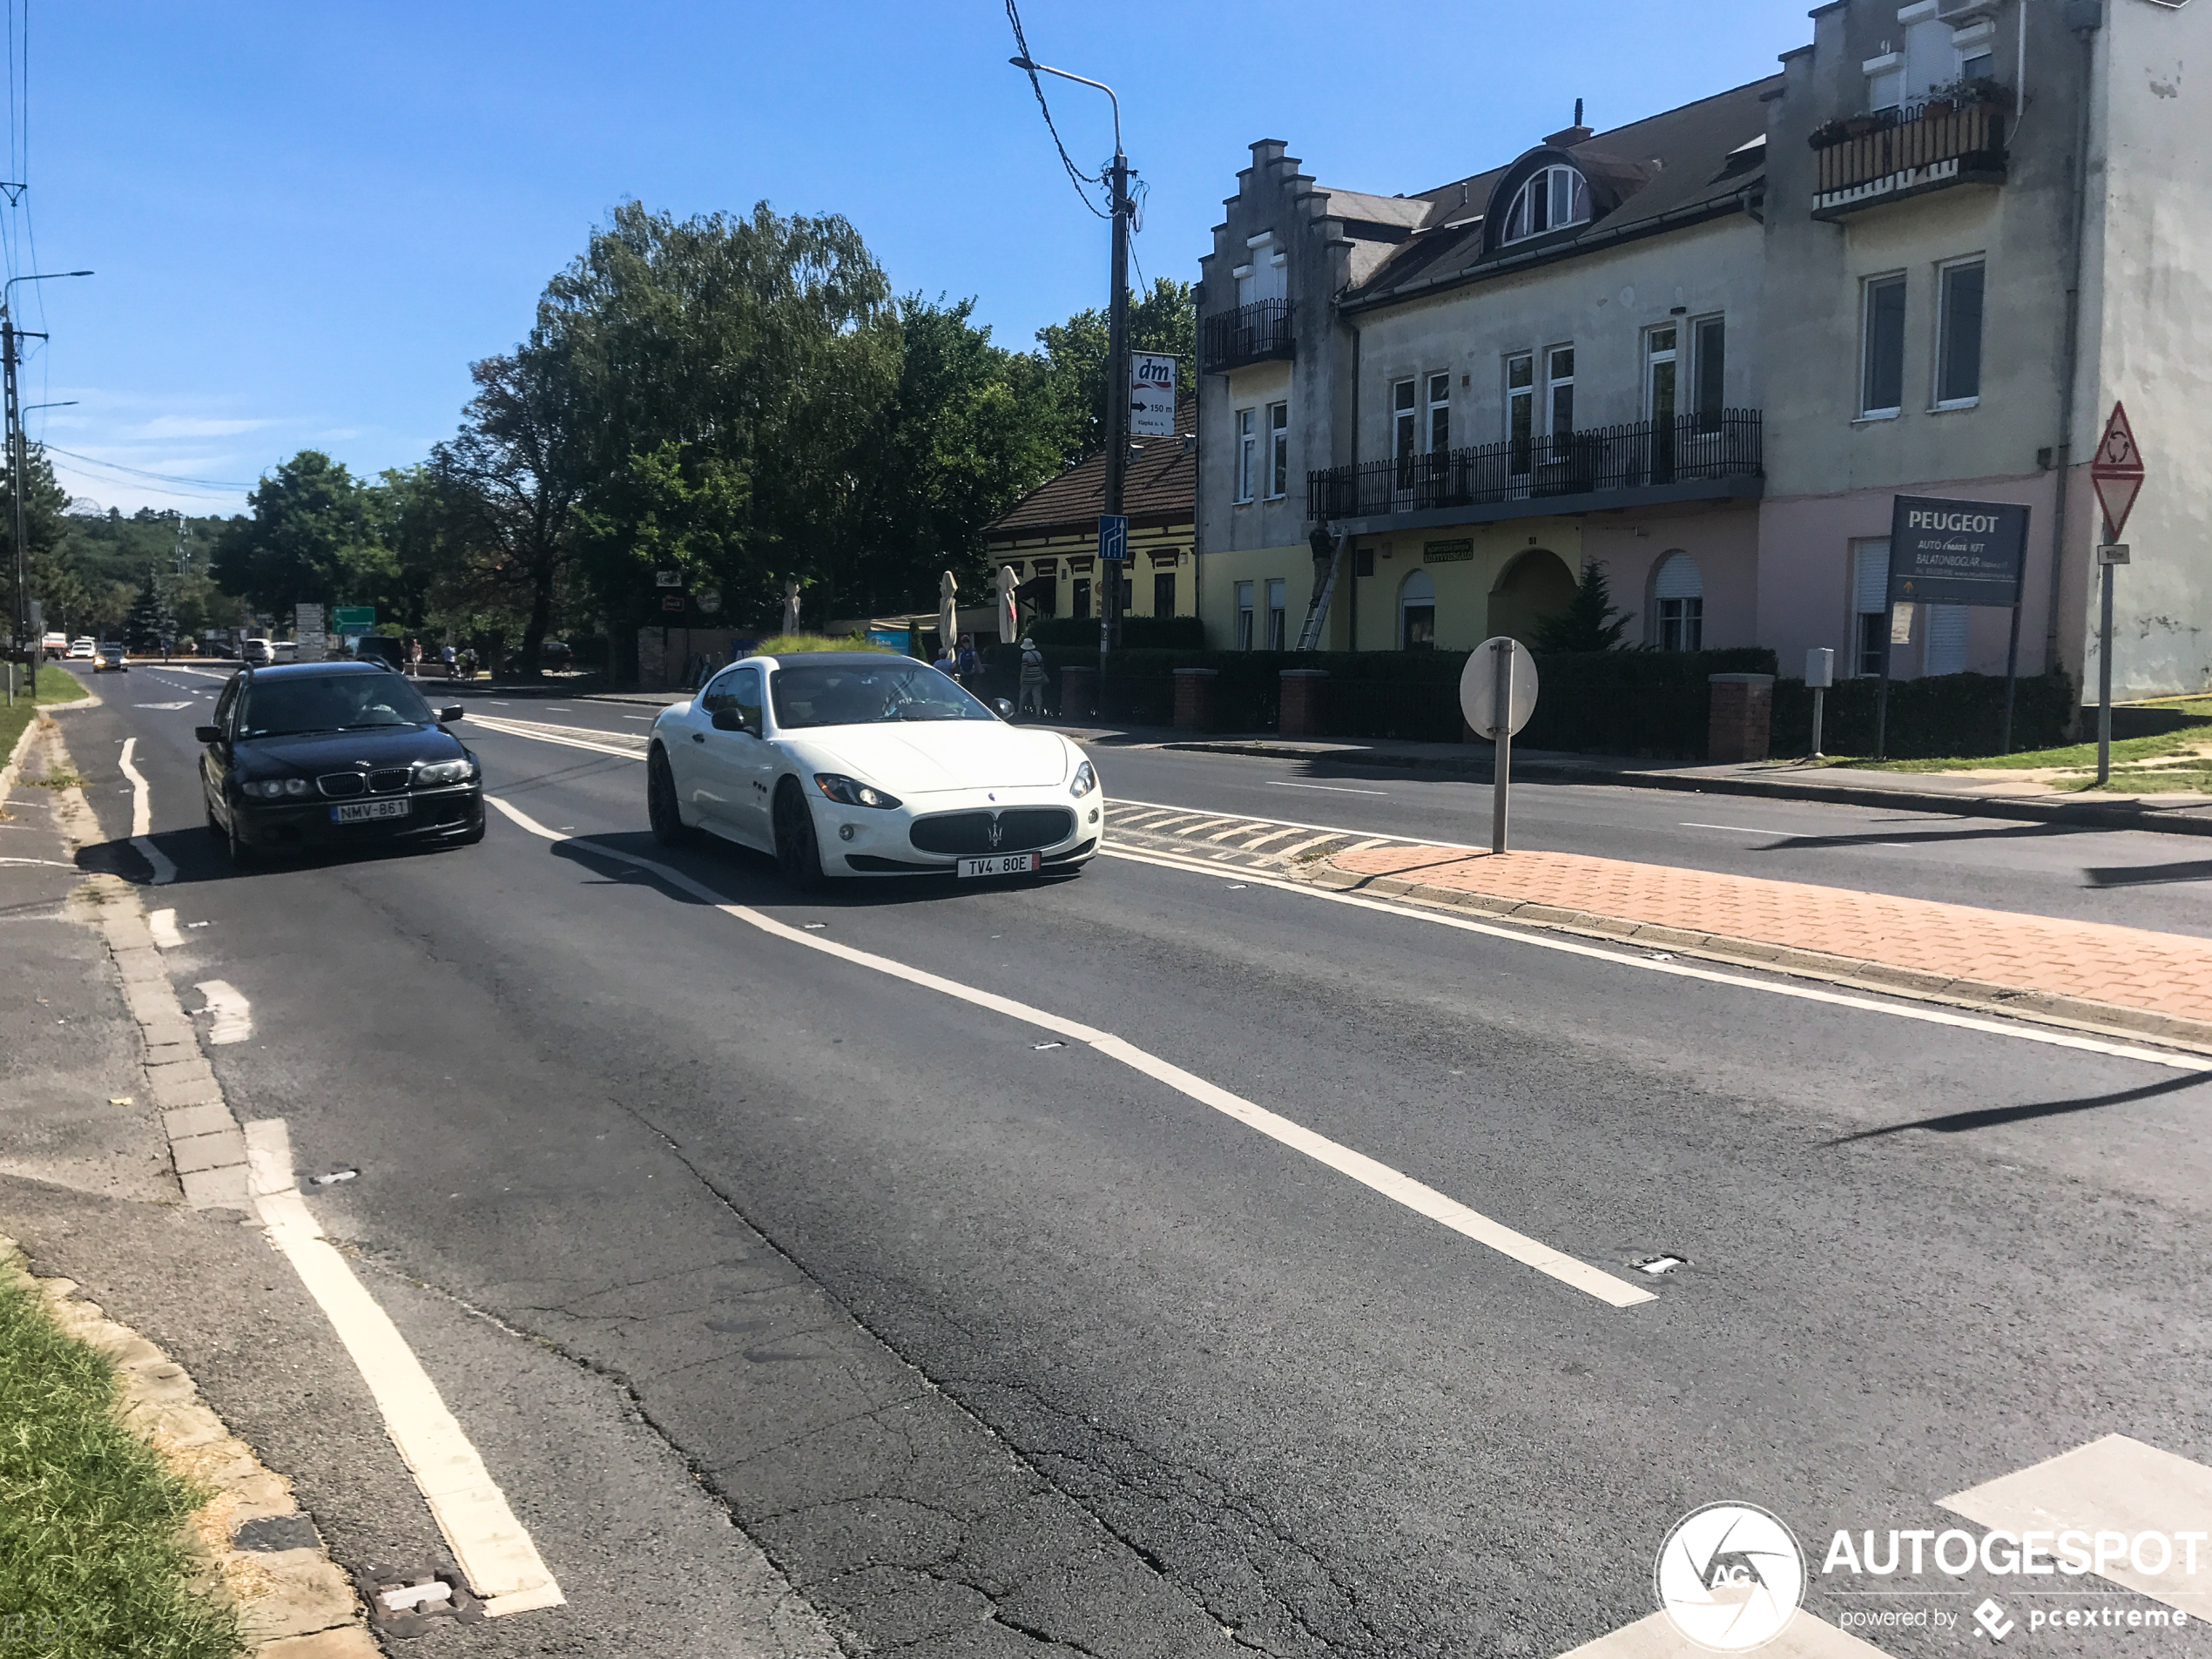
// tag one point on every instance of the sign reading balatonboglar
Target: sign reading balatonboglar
(1956, 552)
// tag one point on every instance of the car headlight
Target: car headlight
(445, 771)
(851, 791)
(1086, 780)
(275, 788)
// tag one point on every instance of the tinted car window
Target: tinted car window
(853, 694)
(739, 689)
(287, 707)
(226, 703)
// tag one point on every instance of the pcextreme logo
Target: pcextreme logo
(1729, 1577)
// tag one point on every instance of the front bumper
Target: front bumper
(452, 814)
(879, 843)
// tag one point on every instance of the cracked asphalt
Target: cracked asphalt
(994, 1349)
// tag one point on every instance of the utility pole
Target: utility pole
(14, 495)
(1117, 396)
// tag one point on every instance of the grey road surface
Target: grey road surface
(998, 1347)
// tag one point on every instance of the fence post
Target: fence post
(1305, 696)
(1194, 698)
(1739, 717)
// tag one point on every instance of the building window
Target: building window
(1520, 411)
(1439, 414)
(1417, 613)
(1128, 594)
(1659, 356)
(1559, 389)
(1881, 376)
(1709, 370)
(1552, 200)
(1678, 604)
(1080, 601)
(1869, 605)
(1278, 450)
(1163, 593)
(1247, 454)
(1404, 422)
(1277, 609)
(1243, 615)
(1959, 334)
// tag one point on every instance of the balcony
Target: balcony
(1251, 334)
(1686, 457)
(1867, 160)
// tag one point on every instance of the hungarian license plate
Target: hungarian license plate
(356, 812)
(1002, 864)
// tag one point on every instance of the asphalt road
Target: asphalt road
(1004, 1348)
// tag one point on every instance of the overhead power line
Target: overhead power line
(225, 484)
(1077, 176)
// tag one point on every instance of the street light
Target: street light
(18, 462)
(1118, 387)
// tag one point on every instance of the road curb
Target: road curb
(2084, 815)
(293, 1603)
(2076, 1014)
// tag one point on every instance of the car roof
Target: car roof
(309, 670)
(838, 659)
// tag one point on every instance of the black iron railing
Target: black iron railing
(1251, 334)
(1644, 455)
(1859, 150)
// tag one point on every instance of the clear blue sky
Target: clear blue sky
(308, 220)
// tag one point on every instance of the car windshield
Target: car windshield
(290, 706)
(864, 694)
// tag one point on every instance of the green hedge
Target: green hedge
(1930, 718)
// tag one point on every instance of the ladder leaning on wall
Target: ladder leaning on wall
(1317, 614)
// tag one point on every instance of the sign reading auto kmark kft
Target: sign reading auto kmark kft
(1956, 552)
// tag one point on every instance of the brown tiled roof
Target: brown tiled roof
(1160, 487)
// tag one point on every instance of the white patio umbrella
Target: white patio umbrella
(1009, 614)
(947, 614)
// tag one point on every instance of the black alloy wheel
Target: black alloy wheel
(798, 855)
(669, 828)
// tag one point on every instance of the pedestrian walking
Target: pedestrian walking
(1032, 679)
(414, 658)
(447, 656)
(970, 665)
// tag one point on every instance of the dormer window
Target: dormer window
(1553, 199)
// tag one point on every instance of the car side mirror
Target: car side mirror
(730, 719)
(207, 734)
(452, 713)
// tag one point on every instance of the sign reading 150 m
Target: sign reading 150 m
(1956, 552)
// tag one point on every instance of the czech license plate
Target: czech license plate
(355, 811)
(1002, 864)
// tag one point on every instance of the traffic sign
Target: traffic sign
(2117, 472)
(668, 578)
(710, 600)
(1478, 681)
(345, 616)
(1113, 535)
(1151, 394)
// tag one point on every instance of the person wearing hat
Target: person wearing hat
(1032, 678)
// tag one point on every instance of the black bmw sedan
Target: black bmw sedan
(334, 754)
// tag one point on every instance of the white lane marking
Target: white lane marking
(1331, 829)
(204, 673)
(2113, 1490)
(2019, 1031)
(142, 819)
(1391, 1183)
(162, 924)
(515, 729)
(1209, 823)
(1262, 840)
(642, 719)
(232, 1015)
(497, 1555)
(161, 705)
(1245, 829)
(1283, 783)
(1740, 829)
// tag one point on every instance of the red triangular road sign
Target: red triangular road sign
(2117, 471)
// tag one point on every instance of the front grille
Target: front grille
(1021, 829)
(385, 780)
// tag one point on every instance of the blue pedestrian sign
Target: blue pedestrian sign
(1113, 535)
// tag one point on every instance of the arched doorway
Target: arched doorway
(1537, 584)
(1417, 613)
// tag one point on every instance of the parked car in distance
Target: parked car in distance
(555, 653)
(287, 651)
(55, 644)
(111, 656)
(382, 648)
(257, 653)
(82, 650)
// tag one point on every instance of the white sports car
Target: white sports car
(855, 763)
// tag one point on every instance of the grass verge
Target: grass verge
(55, 685)
(2135, 755)
(93, 1552)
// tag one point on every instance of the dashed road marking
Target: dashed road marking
(230, 1015)
(1333, 789)
(1378, 1176)
(165, 871)
(162, 924)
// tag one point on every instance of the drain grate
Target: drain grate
(405, 1600)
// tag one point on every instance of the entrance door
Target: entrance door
(1659, 401)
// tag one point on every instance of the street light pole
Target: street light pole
(18, 463)
(1117, 378)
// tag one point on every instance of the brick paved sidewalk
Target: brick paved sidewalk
(2167, 974)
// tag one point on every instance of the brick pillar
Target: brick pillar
(1305, 693)
(1078, 694)
(1194, 698)
(1740, 715)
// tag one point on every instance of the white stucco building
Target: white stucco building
(1709, 347)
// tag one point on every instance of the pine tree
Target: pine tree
(1589, 622)
(148, 623)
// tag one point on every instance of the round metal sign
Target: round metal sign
(710, 600)
(1481, 679)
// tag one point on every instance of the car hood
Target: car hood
(917, 757)
(391, 745)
